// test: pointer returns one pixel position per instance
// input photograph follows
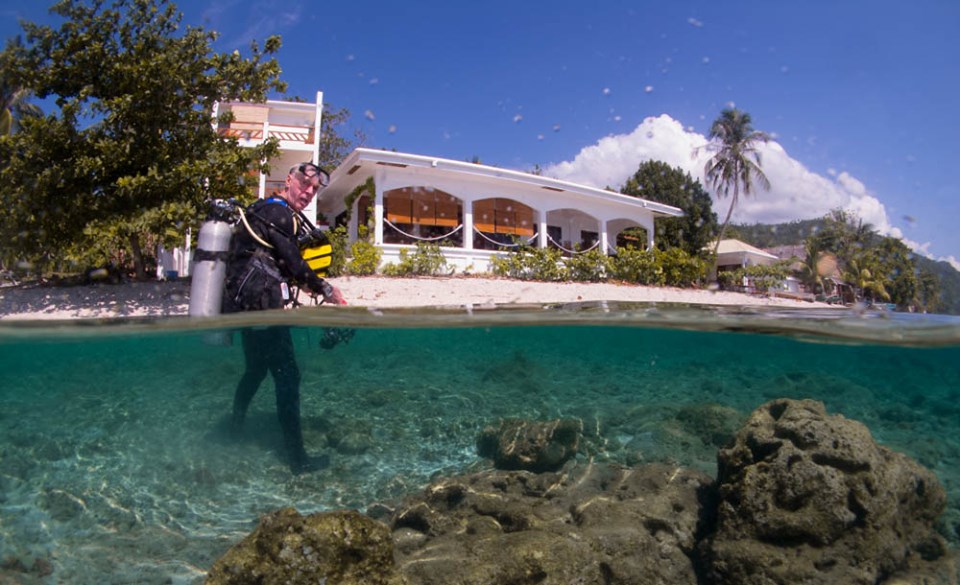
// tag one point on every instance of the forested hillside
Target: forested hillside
(796, 232)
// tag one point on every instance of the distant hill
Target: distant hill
(949, 283)
(795, 232)
(773, 235)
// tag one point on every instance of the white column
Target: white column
(467, 224)
(378, 215)
(317, 125)
(542, 235)
(603, 236)
(649, 227)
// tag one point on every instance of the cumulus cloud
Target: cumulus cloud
(795, 193)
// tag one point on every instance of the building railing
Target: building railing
(281, 133)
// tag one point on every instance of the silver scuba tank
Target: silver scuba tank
(210, 264)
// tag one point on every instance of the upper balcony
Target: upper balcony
(294, 124)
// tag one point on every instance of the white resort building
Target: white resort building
(472, 211)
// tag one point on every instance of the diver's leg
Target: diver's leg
(286, 377)
(256, 345)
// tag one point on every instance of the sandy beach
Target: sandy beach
(157, 299)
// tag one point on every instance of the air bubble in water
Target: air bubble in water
(369, 115)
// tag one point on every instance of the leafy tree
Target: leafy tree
(130, 152)
(895, 264)
(658, 181)
(736, 164)
(334, 146)
(846, 234)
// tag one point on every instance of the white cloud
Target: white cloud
(796, 192)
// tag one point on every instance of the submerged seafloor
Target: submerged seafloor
(115, 466)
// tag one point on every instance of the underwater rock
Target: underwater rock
(62, 505)
(715, 424)
(345, 547)
(809, 498)
(596, 524)
(533, 446)
(355, 443)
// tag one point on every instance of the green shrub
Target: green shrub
(765, 278)
(680, 268)
(529, 263)
(762, 278)
(364, 255)
(591, 266)
(338, 241)
(426, 260)
(637, 266)
(730, 279)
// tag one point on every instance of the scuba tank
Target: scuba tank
(210, 261)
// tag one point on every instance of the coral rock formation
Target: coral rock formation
(533, 446)
(809, 498)
(595, 524)
(343, 547)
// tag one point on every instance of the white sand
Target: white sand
(172, 298)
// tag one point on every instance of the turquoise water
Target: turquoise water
(115, 466)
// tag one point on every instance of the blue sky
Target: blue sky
(860, 96)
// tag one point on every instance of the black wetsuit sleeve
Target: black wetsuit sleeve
(281, 236)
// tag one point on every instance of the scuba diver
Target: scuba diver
(266, 259)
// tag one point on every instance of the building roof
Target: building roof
(736, 246)
(362, 163)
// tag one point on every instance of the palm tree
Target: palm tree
(811, 270)
(736, 164)
(864, 282)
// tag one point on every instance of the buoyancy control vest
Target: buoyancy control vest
(255, 280)
(315, 247)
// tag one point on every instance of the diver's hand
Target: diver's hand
(332, 295)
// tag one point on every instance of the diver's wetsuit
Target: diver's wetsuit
(257, 279)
